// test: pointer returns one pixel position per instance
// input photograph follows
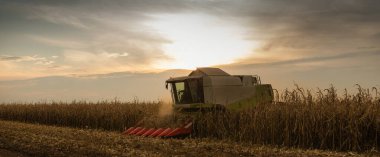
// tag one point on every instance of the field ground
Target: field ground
(21, 139)
(7, 153)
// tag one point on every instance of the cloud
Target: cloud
(89, 35)
(308, 27)
(317, 62)
(35, 59)
(22, 67)
(44, 62)
(98, 62)
(64, 43)
(114, 55)
(92, 35)
(303, 26)
(56, 15)
(82, 56)
(9, 58)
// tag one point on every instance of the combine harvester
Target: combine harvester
(207, 89)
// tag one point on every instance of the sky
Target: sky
(308, 42)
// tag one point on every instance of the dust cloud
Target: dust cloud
(165, 109)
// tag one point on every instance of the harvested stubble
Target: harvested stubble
(40, 140)
(107, 115)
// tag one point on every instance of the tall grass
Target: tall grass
(299, 118)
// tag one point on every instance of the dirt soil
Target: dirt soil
(20, 139)
(7, 153)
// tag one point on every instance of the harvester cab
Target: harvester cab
(206, 89)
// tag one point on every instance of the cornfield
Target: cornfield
(106, 115)
(321, 121)
(299, 118)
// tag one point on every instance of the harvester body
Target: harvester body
(208, 88)
(212, 87)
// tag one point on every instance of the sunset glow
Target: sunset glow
(198, 40)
